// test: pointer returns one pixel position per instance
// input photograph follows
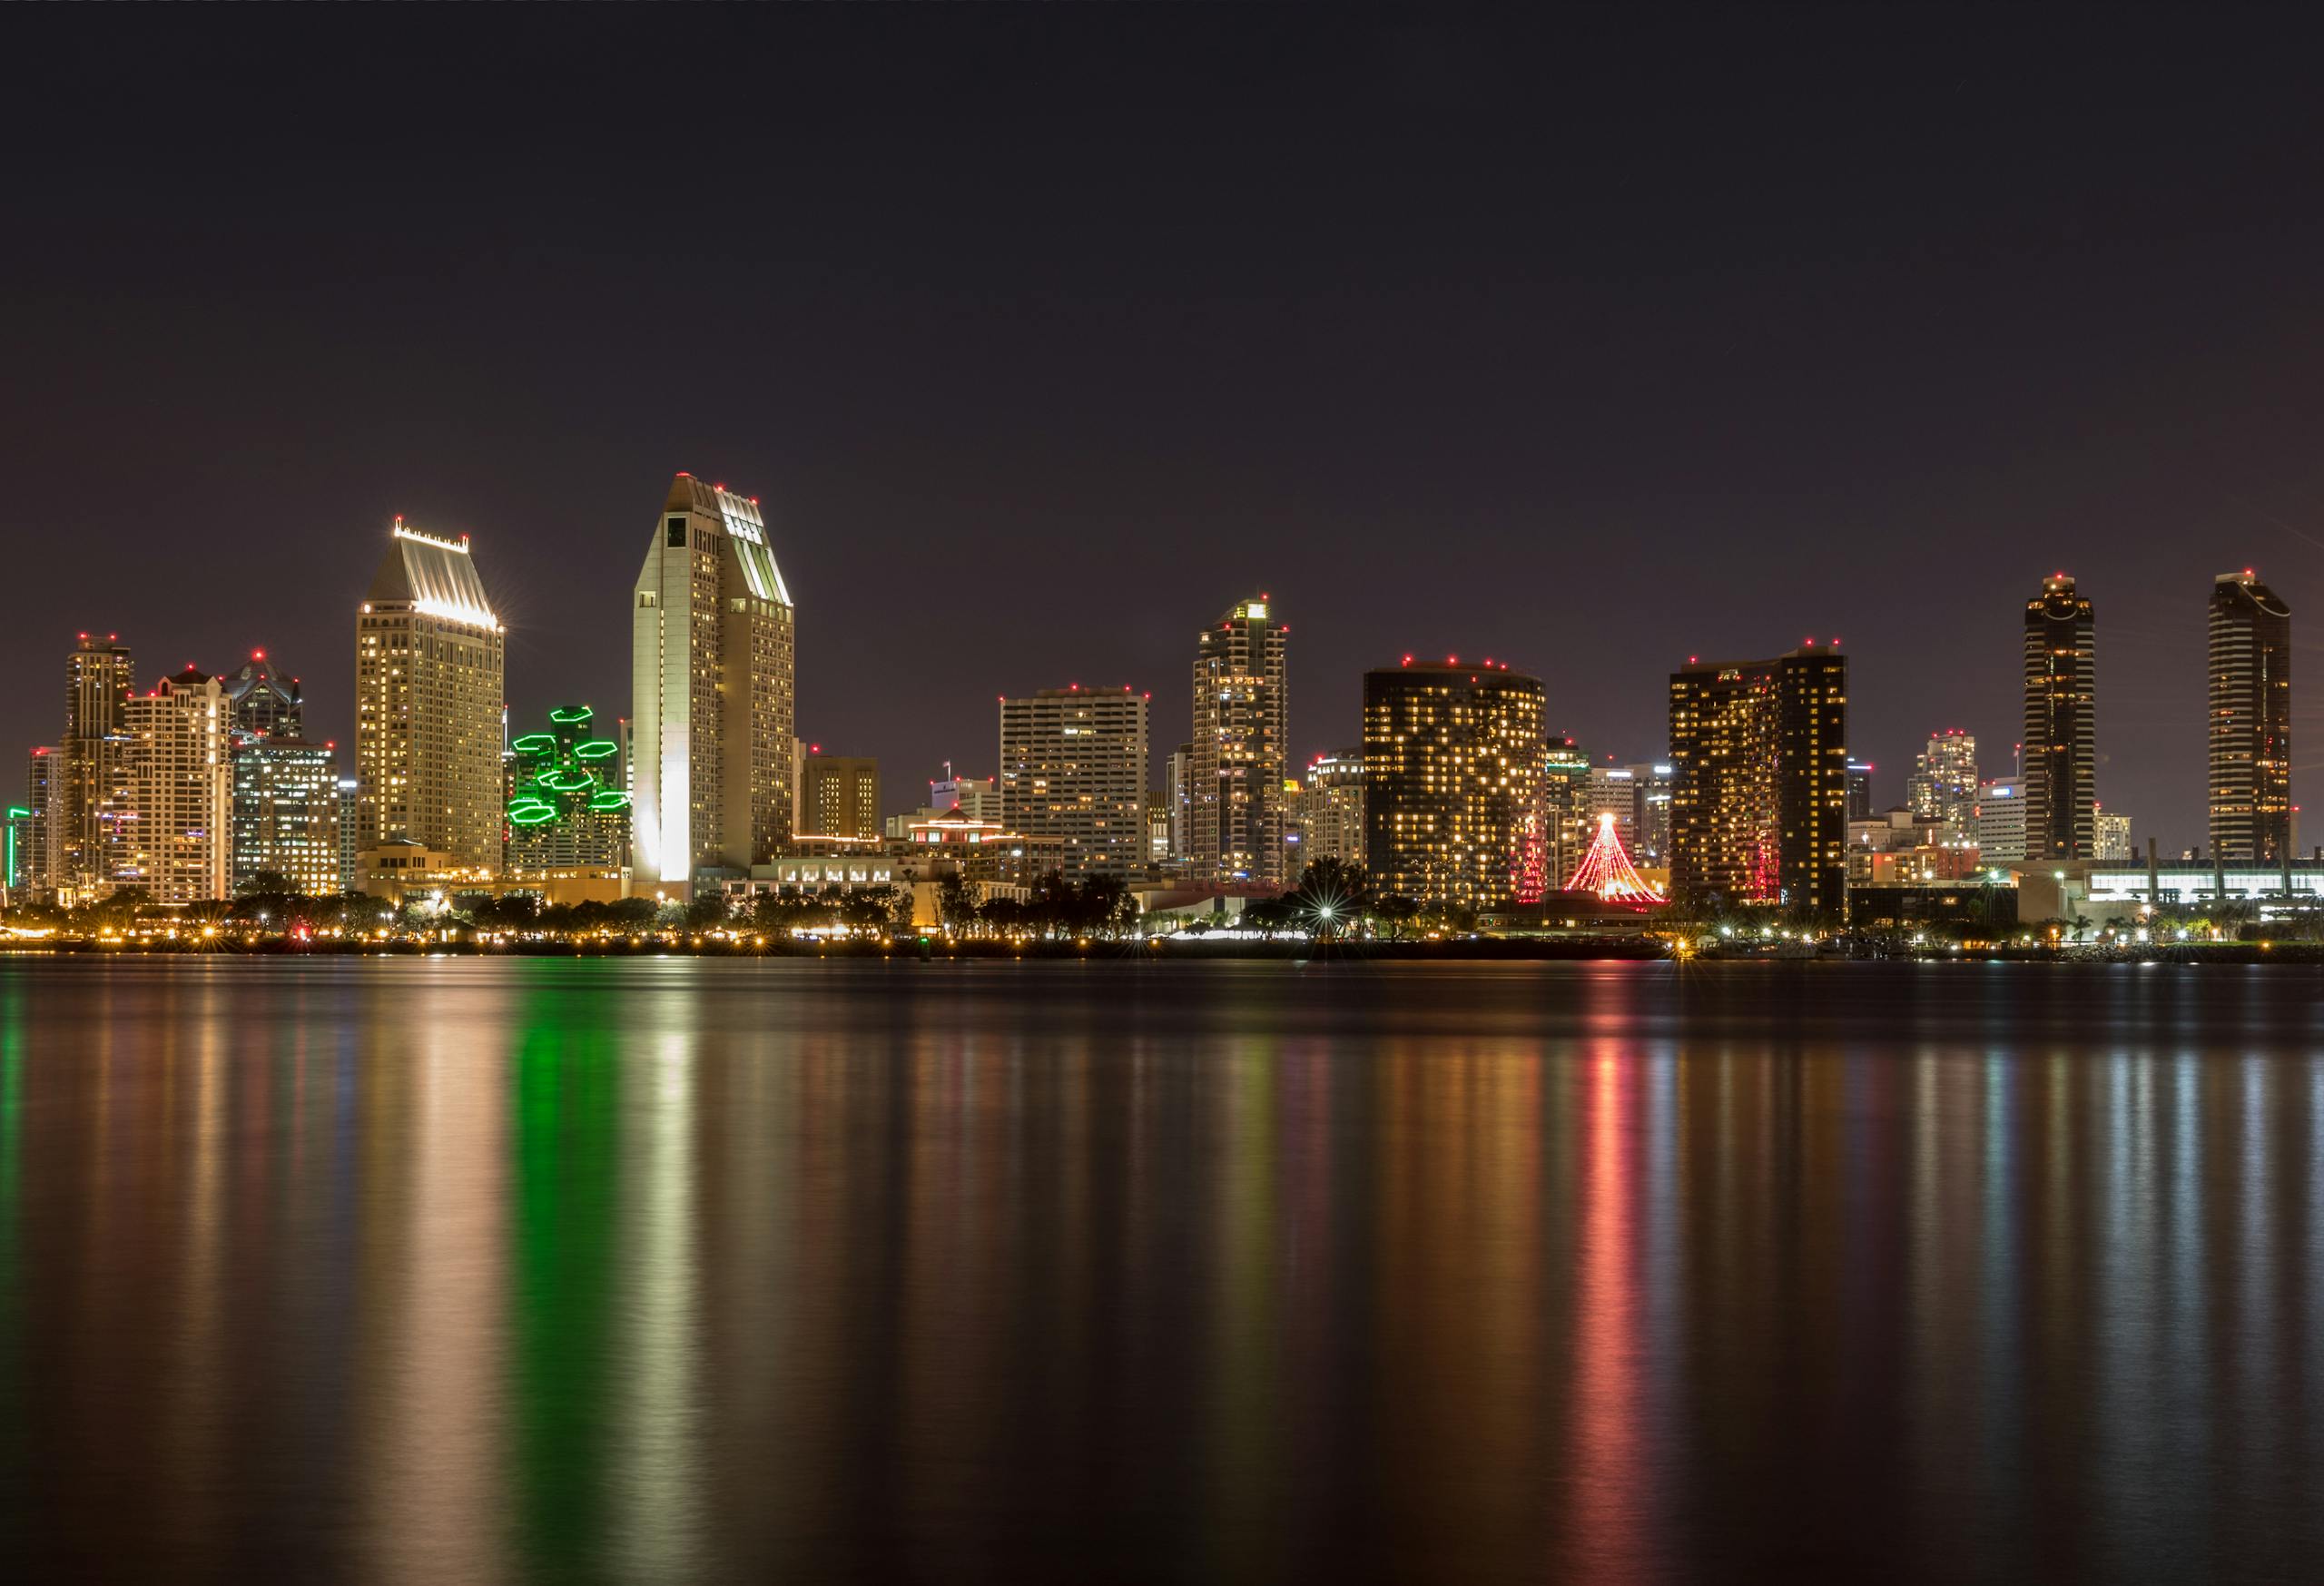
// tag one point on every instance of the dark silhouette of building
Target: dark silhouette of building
(2061, 742)
(2250, 720)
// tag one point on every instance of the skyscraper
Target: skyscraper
(1758, 801)
(568, 805)
(2000, 821)
(429, 673)
(1073, 766)
(89, 785)
(713, 689)
(1859, 790)
(2061, 743)
(2250, 720)
(1241, 728)
(285, 812)
(1328, 810)
(1565, 822)
(33, 866)
(175, 832)
(261, 702)
(1944, 783)
(1452, 766)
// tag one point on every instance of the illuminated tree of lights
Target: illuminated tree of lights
(1607, 870)
(1531, 882)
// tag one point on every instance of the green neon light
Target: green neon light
(607, 801)
(571, 715)
(597, 749)
(535, 743)
(531, 816)
(530, 804)
(563, 781)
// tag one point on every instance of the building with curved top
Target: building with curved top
(2250, 720)
(1452, 766)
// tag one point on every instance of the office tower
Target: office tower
(33, 860)
(1650, 811)
(2000, 821)
(1613, 792)
(1073, 766)
(1235, 784)
(2251, 722)
(348, 789)
(286, 809)
(89, 788)
(1178, 778)
(1944, 783)
(2114, 836)
(1758, 801)
(1158, 827)
(428, 659)
(2061, 743)
(839, 796)
(713, 664)
(175, 835)
(260, 701)
(1452, 758)
(977, 798)
(568, 806)
(1329, 811)
(1565, 821)
(1859, 790)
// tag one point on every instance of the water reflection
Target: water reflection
(628, 1271)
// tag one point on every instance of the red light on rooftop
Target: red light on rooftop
(258, 656)
(1408, 660)
(683, 475)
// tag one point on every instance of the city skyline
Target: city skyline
(1803, 416)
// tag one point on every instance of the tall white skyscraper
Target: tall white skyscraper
(176, 836)
(712, 696)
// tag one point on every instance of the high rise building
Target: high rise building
(2061, 743)
(568, 810)
(976, 798)
(713, 662)
(1944, 783)
(839, 796)
(1073, 766)
(430, 656)
(2114, 836)
(174, 837)
(1241, 730)
(2250, 720)
(1758, 803)
(1327, 812)
(1650, 811)
(1613, 791)
(90, 786)
(2001, 811)
(1452, 759)
(348, 792)
(285, 812)
(33, 862)
(1177, 778)
(260, 701)
(1859, 790)
(1565, 822)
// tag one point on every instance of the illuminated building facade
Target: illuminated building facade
(2001, 821)
(40, 810)
(89, 785)
(260, 701)
(1859, 790)
(1759, 798)
(713, 689)
(1235, 816)
(1566, 828)
(1452, 759)
(2061, 742)
(1073, 765)
(1944, 783)
(285, 812)
(2251, 722)
(1327, 812)
(174, 837)
(2113, 837)
(349, 794)
(429, 659)
(567, 808)
(839, 796)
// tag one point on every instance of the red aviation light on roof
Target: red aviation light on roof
(1408, 660)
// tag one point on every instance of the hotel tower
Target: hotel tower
(712, 663)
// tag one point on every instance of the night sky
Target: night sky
(1046, 334)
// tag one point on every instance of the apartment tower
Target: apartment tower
(1759, 792)
(2251, 722)
(2061, 742)
(1241, 731)
(1452, 759)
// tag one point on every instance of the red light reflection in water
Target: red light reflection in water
(1610, 1495)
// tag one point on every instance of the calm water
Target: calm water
(687, 1269)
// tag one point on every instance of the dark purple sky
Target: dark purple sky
(1046, 334)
